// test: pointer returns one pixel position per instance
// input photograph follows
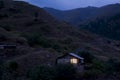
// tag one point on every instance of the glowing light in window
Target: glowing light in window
(73, 61)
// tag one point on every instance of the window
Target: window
(73, 61)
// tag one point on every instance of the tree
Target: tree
(65, 72)
(1, 4)
(36, 16)
(42, 72)
(12, 66)
(88, 57)
(1, 68)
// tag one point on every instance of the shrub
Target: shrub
(36, 14)
(65, 72)
(5, 15)
(3, 38)
(37, 39)
(7, 27)
(42, 73)
(99, 65)
(1, 4)
(46, 29)
(10, 71)
(56, 46)
(117, 67)
(91, 74)
(112, 66)
(31, 38)
(12, 66)
(14, 11)
(1, 68)
(88, 57)
(44, 42)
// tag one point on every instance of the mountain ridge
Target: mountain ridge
(74, 16)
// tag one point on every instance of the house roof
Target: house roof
(6, 45)
(75, 55)
(71, 54)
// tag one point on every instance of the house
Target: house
(70, 58)
(8, 47)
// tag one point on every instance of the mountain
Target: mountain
(29, 26)
(74, 16)
(40, 38)
(104, 21)
(80, 15)
(106, 26)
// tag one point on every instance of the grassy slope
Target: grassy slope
(61, 37)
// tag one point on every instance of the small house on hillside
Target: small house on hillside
(70, 58)
(8, 47)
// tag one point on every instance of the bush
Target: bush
(42, 73)
(1, 68)
(12, 66)
(44, 42)
(10, 71)
(31, 38)
(56, 46)
(117, 67)
(5, 15)
(65, 72)
(1, 4)
(46, 29)
(36, 14)
(37, 39)
(2, 38)
(14, 11)
(99, 65)
(88, 57)
(7, 27)
(112, 66)
(91, 74)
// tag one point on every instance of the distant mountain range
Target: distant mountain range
(79, 15)
(74, 16)
(104, 20)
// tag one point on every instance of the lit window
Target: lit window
(73, 61)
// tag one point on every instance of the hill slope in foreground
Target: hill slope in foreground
(41, 39)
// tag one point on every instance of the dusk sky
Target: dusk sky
(71, 4)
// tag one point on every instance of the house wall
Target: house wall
(66, 60)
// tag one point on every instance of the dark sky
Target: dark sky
(70, 4)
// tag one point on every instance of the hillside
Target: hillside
(74, 16)
(103, 21)
(106, 23)
(80, 15)
(40, 38)
(37, 29)
(106, 27)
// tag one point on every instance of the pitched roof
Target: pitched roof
(75, 55)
